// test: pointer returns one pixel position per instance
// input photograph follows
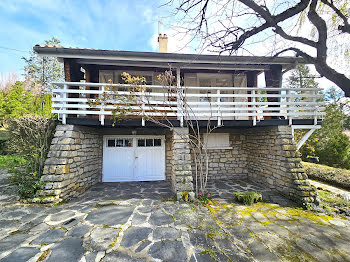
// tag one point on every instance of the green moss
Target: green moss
(247, 198)
(43, 255)
(318, 219)
(211, 253)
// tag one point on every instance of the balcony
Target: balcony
(184, 103)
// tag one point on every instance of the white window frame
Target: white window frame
(216, 141)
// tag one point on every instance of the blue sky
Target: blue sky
(114, 24)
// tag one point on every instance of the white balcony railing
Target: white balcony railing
(79, 99)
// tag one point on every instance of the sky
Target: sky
(103, 24)
(115, 24)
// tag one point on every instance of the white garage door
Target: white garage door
(133, 158)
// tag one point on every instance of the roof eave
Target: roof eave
(98, 54)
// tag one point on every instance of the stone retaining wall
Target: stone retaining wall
(274, 162)
(182, 180)
(229, 163)
(74, 163)
(168, 156)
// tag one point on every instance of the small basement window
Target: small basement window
(217, 141)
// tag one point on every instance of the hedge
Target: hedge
(331, 175)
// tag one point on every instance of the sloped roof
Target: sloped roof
(89, 54)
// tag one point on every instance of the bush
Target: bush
(247, 198)
(11, 161)
(334, 176)
(335, 152)
(30, 138)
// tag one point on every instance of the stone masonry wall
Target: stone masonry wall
(74, 163)
(168, 156)
(274, 162)
(182, 180)
(229, 163)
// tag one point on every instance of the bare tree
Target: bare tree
(232, 25)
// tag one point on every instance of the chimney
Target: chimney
(163, 43)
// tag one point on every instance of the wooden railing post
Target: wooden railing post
(218, 100)
(289, 117)
(102, 115)
(316, 108)
(179, 97)
(64, 116)
(143, 107)
(254, 107)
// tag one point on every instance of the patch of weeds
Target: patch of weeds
(113, 243)
(211, 253)
(213, 233)
(43, 255)
(60, 203)
(332, 199)
(247, 198)
(204, 199)
(185, 196)
(115, 240)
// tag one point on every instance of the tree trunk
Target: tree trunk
(337, 78)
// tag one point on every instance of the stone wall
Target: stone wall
(273, 161)
(181, 179)
(168, 156)
(74, 163)
(229, 163)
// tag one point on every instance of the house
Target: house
(252, 125)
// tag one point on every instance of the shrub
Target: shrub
(247, 198)
(204, 199)
(334, 176)
(335, 152)
(11, 161)
(30, 138)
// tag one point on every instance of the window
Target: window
(157, 142)
(217, 141)
(115, 77)
(111, 143)
(149, 142)
(119, 142)
(141, 142)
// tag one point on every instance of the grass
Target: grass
(8, 161)
(332, 199)
(330, 175)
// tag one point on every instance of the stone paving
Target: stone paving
(141, 222)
